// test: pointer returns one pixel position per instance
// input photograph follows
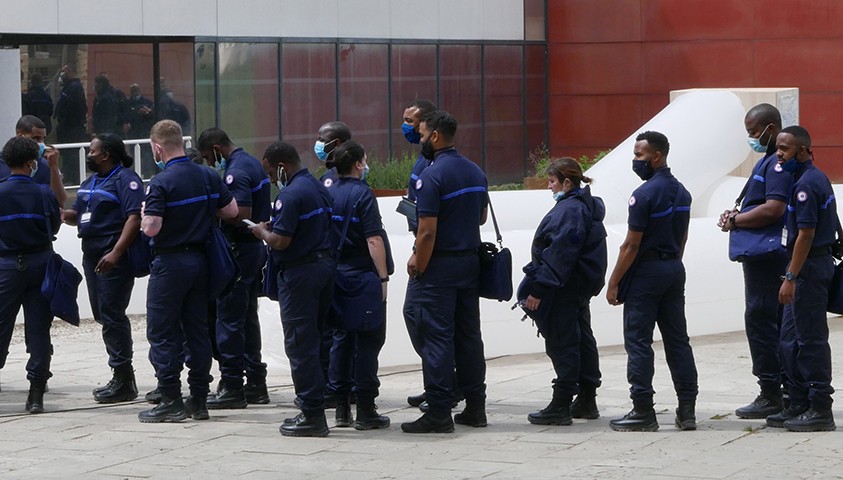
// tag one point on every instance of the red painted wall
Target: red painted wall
(612, 64)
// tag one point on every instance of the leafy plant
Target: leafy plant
(587, 162)
(393, 174)
(539, 160)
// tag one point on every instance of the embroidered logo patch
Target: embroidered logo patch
(133, 185)
(229, 179)
(778, 167)
(802, 196)
(632, 201)
(278, 204)
(328, 182)
(419, 184)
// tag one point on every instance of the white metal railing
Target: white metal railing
(136, 154)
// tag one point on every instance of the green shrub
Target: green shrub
(587, 162)
(394, 174)
(539, 160)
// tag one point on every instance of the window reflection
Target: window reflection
(460, 86)
(413, 77)
(364, 92)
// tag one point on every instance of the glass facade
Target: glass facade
(265, 89)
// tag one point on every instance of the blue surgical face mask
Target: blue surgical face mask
(559, 195)
(319, 149)
(41, 149)
(160, 164)
(643, 169)
(365, 172)
(220, 161)
(755, 143)
(34, 169)
(410, 133)
(278, 181)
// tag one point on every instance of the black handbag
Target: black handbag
(755, 243)
(223, 270)
(269, 283)
(495, 266)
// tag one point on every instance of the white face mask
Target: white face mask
(278, 182)
(34, 168)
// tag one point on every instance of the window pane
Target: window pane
(536, 86)
(249, 94)
(504, 113)
(413, 78)
(459, 83)
(205, 68)
(309, 94)
(363, 96)
(534, 19)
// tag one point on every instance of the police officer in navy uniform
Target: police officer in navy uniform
(809, 233)
(48, 172)
(567, 268)
(651, 260)
(237, 332)
(445, 273)
(107, 213)
(330, 136)
(763, 205)
(354, 354)
(29, 216)
(178, 217)
(299, 238)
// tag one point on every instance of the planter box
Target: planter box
(535, 183)
(389, 192)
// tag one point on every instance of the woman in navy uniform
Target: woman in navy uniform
(354, 355)
(107, 213)
(29, 216)
(299, 236)
(568, 267)
(809, 233)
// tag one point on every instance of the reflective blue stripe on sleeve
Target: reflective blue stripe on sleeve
(312, 214)
(188, 201)
(265, 181)
(463, 192)
(759, 178)
(18, 216)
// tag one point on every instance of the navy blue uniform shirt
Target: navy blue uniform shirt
(365, 221)
(812, 205)
(249, 185)
(418, 167)
(110, 199)
(453, 189)
(302, 211)
(42, 176)
(569, 247)
(329, 177)
(661, 208)
(179, 195)
(25, 209)
(768, 182)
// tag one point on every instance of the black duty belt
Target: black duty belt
(187, 247)
(656, 255)
(815, 251)
(28, 250)
(455, 253)
(309, 258)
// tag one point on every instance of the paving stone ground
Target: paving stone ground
(76, 438)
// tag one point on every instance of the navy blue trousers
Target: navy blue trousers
(763, 317)
(354, 363)
(177, 324)
(806, 354)
(570, 344)
(446, 317)
(304, 295)
(238, 330)
(657, 297)
(109, 294)
(20, 285)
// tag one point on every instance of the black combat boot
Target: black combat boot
(168, 410)
(642, 418)
(227, 398)
(474, 414)
(121, 388)
(769, 402)
(813, 420)
(585, 405)
(368, 417)
(343, 414)
(256, 393)
(430, 422)
(416, 400)
(306, 426)
(196, 407)
(686, 418)
(153, 396)
(793, 410)
(35, 399)
(557, 412)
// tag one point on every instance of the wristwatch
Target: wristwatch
(733, 221)
(789, 276)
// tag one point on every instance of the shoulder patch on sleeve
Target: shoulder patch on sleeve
(133, 185)
(632, 201)
(278, 204)
(778, 167)
(802, 196)
(328, 182)
(229, 179)
(419, 184)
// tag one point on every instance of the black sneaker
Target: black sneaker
(169, 410)
(196, 408)
(304, 426)
(637, 420)
(793, 410)
(473, 416)
(343, 415)
(761, 407)
(585, 406)
(556, 413)
(256, 393)
(226, 398)
(430, 423)
(812, 420)
(416, 400)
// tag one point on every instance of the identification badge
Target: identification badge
(784, 237)
(85, 218)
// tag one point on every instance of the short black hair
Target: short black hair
(800, 134)
(115, 148)
(194, 156)
(27, 123)
(765, 114)
(346, 155)
(424, 106)
(212, 136)
(657, 140)
(282, 152)
(19, 150)
(441, 121)
(102, 79)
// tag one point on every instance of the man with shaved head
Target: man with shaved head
(330, 136)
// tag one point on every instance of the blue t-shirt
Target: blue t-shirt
(452, 189)
(812, 205)
(25, 209)
(179, 195)
(109, 199)
(353, 195)
(302, 211)
(661, 209)
(249, 185)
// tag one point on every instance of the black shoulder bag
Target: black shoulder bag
(495, 265)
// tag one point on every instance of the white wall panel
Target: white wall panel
(409, 21)
(311, 18)
(180, 18)
(461, 20)
(101, 17)
(500, 19)
(249, 18)
(43, 19)
(365, 18)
